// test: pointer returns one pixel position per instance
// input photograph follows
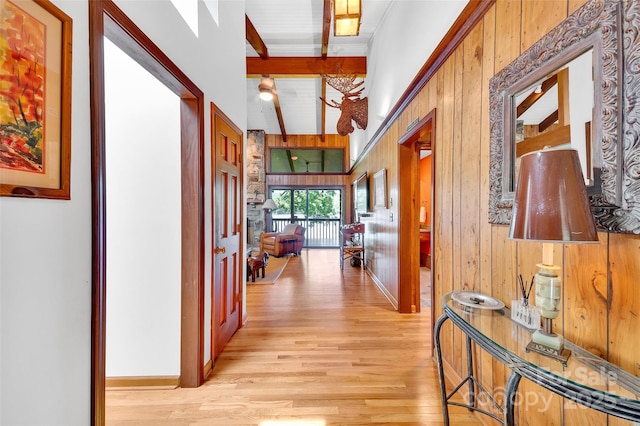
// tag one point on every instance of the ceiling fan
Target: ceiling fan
(267, 89)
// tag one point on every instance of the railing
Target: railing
(319, 232)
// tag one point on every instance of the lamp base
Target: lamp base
(561, 354)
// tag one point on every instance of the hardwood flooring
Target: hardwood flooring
(321, 347)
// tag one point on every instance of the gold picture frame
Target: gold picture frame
(35, 100)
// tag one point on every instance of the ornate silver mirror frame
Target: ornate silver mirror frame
(612, 29)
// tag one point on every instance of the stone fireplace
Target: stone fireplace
(256, 186)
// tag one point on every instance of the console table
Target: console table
(585, 379)
(352, 244)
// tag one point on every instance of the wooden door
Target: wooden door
(226, 210)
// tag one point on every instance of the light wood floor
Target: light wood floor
(321, 347)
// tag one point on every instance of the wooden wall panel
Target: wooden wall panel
(444, 214)
(503, 270)
(485, 361)
(586, 298)
(508, 19)
(601, 298)
(573, 5)
(541, 17)
(470, 172)
(457, 165)
(381, 233)
(467, 160)
(308, 180)
(624, 312)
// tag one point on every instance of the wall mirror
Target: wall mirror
(555, 111)
(570, 89)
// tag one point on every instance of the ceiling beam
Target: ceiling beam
(305, 66)
(326, 27)
(548, 122)
(276, 104)
(533, 96)
(255, 40)
(558, 136)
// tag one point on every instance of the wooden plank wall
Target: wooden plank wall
(601, 297)
(381, 229)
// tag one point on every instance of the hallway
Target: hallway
(321, 347)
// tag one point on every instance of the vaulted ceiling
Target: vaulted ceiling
(292, 41)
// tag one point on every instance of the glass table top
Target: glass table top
(583, 368)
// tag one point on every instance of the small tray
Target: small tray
(477, 300)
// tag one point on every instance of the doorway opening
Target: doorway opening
(415, 232)
(143, 247)
(425, 167)
(107, 20)
(319, 210)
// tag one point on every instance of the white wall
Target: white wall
(581, 101)
(45, 245)
(214, 60)
(45, 280)
(406, 38)
(143, 221)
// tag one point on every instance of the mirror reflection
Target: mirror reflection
(557, 112)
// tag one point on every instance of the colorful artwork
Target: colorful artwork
(22, 89)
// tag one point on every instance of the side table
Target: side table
(586, 379)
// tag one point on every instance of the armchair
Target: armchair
(289, 241)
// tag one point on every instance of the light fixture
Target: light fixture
(346, 17)
(294, 157)
(538, 88)
(551, 205)
(423, 214)
(268, 205)
(266, 88)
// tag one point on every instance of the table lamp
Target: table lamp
(551, 205)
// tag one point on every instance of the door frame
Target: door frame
(106, 19)
(408, 211)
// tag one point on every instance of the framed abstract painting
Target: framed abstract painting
(35, 100)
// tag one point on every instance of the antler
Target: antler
(345, 84)
(333, 103)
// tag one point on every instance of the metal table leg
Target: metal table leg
(438, 352)
(510, 398)
(472, 390)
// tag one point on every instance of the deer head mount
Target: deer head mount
(352, 107)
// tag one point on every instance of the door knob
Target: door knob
(219, 250)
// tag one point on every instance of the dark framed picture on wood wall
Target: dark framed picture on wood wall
(380, 189)
(35, 100)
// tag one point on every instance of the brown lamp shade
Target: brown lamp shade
(551, 202)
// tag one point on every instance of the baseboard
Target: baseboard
(207, 369)
(146, 382)
(382, 288)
